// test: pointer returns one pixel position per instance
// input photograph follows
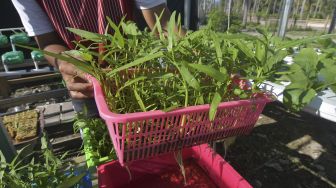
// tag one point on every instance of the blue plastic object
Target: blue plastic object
(85, 182)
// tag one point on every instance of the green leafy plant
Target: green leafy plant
(309, 75)
(160, 70)
(46, 170)
(147, 71)
(218, 21)
(97, 144)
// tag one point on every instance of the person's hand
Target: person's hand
(75, 80)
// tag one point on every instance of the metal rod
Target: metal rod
(12, 29)
(284, 18)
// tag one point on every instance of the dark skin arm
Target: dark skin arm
(149, 15)
(75, 80)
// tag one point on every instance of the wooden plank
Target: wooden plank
(11, 102)
(33, 78)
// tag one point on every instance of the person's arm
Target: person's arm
(37, 24)
(149, 11)
(75, 80)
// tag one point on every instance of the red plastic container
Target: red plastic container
(152, 172)
(142, 135)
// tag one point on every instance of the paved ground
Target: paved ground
(287, 150)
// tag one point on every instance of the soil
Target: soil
(196, 178)
(21, 126)
(286, 150)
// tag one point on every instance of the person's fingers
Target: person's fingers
(76, 81)
(80, 74)
(69, 69)
(80, 87)
(80, 95)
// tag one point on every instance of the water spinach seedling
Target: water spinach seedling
(145, 71)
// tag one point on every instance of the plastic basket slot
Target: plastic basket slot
(145, 134)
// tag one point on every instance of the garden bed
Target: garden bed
(204, 168)
(24, 128)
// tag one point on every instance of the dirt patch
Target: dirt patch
(287, 150)
(21, 126)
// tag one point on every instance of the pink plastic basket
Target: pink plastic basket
(146, 134)
(146, 173)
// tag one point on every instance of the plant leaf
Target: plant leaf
(117, 34)
(171, 33)
(85, 67)
(130, 82)
(95, 37)
(219, 53)
(327, 74)
(70, 182)
(274, 59)
(170, 108)
(139, 100)
(136, 62)
(248, 52)
(214, 104)
(296, 97)
(307, 59)
(217, 75)
(303, 41)
(262, 31)
(189, 78)
(3, 166)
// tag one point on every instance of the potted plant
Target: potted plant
(39, 169)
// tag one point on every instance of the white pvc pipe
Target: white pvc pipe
(284, 18)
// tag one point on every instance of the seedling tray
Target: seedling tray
(161, 171)
(31, 141)
(146, 134)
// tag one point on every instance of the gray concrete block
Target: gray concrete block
(53, 120)
(51, 109)
(68, 116)
(67, 106)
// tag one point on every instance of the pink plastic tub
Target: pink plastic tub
(148, 173)
(147, 134)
